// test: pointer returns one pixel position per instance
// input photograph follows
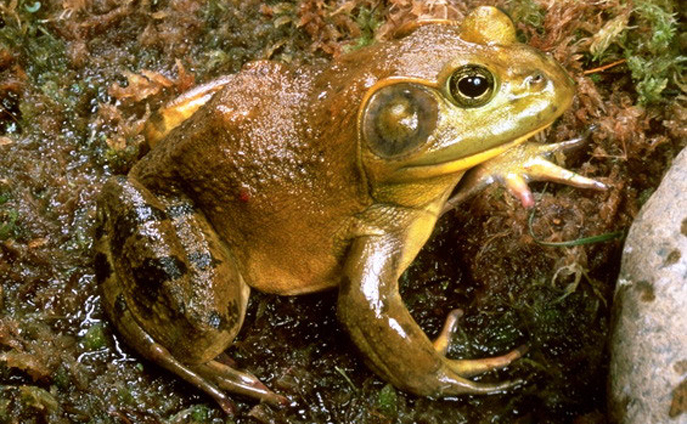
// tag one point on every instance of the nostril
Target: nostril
(536, 81)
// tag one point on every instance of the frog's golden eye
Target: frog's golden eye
(398, 119)
(471, 86)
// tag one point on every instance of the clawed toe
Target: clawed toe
(471, 367)
(442, 341)
(239, 382)
(463, 368)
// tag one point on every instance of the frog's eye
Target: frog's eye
(398, 119)
(471, 86)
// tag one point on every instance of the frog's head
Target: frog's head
(488, 94)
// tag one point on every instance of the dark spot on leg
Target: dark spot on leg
(672, 257)
(146, 213)
(232, 314)
(100, 223)
(122, 230)
(202, 260)
(102, 268)
(127, 224)
(120, 305)
(683, 227)
(646, 290)
(385, 306)
(345, 286)
(99, 230)
(215, 320)
(157, 270)
(679, 404)
(180, 210)
(151, 275)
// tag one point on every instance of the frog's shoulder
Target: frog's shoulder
(261, 87)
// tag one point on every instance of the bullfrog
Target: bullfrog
(296, 179)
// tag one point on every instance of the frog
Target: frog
(298, 179)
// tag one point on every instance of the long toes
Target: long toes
(517, 186)
(520, 165)
(442, 341)
(541, 169)
(456, 385)
(573, 143)
(470, 367)
(241, 383)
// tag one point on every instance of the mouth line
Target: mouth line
(453, 166)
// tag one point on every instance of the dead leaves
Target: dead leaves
(148, 83)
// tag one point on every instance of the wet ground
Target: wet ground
(78, 79)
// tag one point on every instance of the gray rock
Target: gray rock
(648, 372)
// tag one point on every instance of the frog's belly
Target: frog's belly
(286, 256)
(289, 269)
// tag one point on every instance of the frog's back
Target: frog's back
(279, 186)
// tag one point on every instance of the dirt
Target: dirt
(78, 79)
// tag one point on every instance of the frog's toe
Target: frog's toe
(454, 375)
(540, 169)
(239, 382)
(519, 166)
(450, 325)
(470, 367)
(459, 386)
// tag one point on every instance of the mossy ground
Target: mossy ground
(77, 80)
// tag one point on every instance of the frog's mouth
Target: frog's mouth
(446, 161)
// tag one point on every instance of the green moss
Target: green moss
(528, 12)
(200, 413)
(652, 51)
(61, 377)
(125, 395)
(94, 338)
(39, 399)
(387, 400)
(44, 53)
(5, 413)
(368, 20)
(42, 57)
(9, 228)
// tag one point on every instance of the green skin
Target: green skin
(297, 180)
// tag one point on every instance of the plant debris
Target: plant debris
(78, 78)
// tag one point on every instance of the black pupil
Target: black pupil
(473, 86)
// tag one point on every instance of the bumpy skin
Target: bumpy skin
(270, 179)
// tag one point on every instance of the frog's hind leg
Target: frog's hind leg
(171, 287)
(471, 367)
(171, 115)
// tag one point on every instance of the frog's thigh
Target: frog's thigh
(172, 274)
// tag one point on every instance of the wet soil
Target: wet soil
(78, 79)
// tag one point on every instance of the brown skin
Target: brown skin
(296, 180)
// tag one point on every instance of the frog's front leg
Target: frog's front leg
(171, 287)
(518, 166)
(371, 309)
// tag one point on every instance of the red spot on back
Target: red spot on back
(244, 195)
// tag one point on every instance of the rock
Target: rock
(648, 371)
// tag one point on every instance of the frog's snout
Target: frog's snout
(536, 81)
